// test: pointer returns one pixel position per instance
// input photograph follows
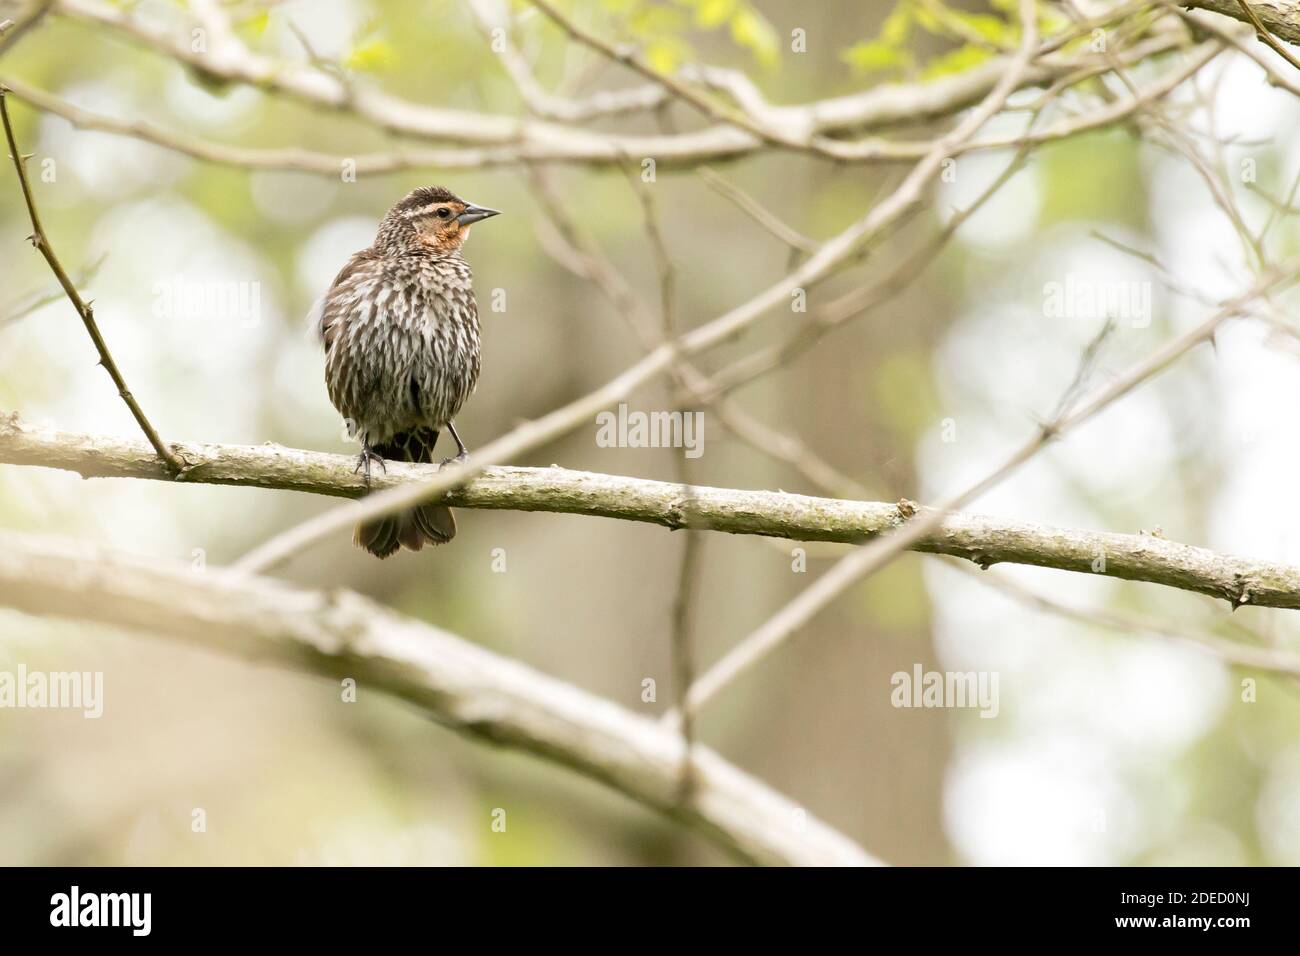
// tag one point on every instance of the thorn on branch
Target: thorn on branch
(1242, 597)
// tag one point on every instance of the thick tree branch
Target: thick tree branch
(458, 684)
(1282, 17)
(978, 538)
(1261, 32)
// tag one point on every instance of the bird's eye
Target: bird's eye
(443, 213)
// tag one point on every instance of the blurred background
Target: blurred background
(1108, 748)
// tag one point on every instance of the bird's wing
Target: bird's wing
(332, 310)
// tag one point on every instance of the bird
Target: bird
(400, 330)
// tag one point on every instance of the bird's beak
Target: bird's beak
(473, 214)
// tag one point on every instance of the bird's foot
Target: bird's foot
(463, 456)
(363, 462)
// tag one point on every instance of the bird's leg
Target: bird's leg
(365, 458)
(462, 453)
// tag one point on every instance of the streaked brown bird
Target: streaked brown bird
(401, 335)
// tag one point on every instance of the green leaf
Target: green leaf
(752, 31)
(872, 56)
(371, 56)
(652, 22)
(897, 28)
(928, 20)
(667, 53)
(955, 61)
(710, 14)
(888, 50)
(255, 26)
(994, 29)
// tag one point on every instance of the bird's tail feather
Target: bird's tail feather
(413, 529)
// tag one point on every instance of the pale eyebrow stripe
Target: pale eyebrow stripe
(423, 210)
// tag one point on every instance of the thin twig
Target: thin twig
(12, 30)
(757, 211)
(567, 245)
(39, 239)
(872, 557)
(547, 105)
(683, 617)
(25, 307)
(1272, 660)
(628, 56)
(860, 301)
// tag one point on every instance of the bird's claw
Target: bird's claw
(363, 462)
(463, 456)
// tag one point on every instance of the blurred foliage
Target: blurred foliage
(978, 35)
(370, 52)
(663, 28)
(1099, 179)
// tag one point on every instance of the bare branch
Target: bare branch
(870, 558)
(578, 253)
(758, 212)
(12, 30)
(495, 139)
(1265, 36)
(41, 241)
(566, 144)
(803, 138)
(1238, 39)
(1270, 659)
(19, 310)
(982, 539)
(456, 683)
(540, 101)
(1280, 17)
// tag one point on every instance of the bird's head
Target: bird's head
(432, 217)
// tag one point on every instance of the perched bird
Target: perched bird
(400, 329)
